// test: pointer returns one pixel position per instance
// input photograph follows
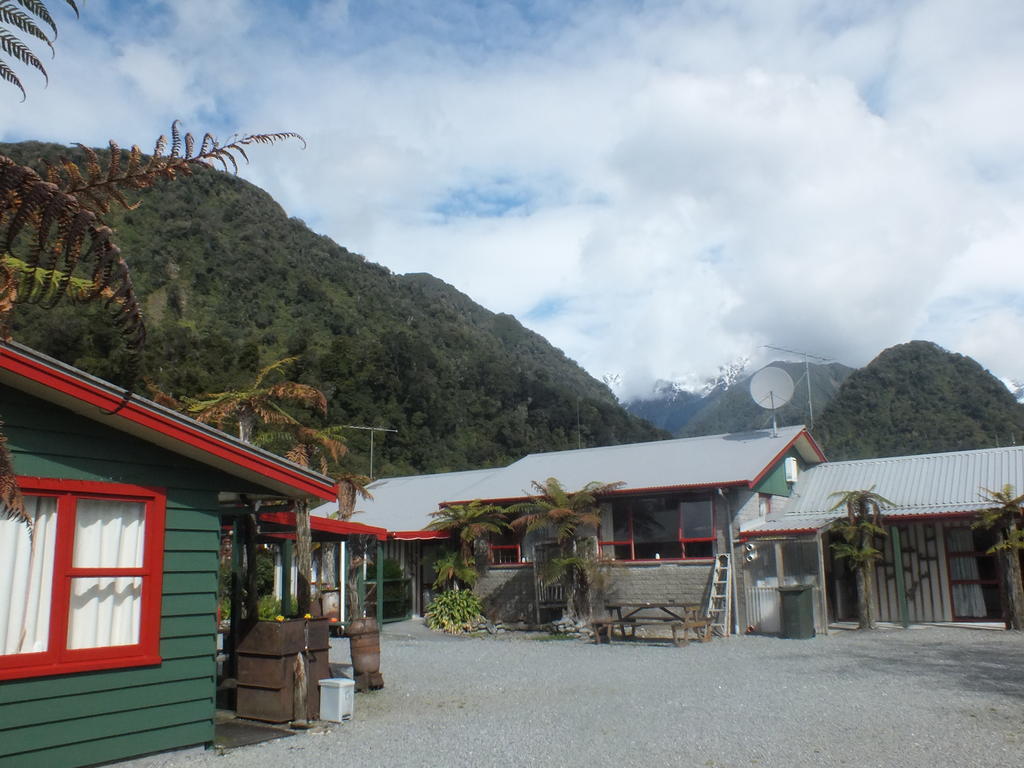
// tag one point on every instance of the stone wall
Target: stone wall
(661, 582)
(508, 594)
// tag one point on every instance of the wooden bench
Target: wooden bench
(608, 625)
(701, 628)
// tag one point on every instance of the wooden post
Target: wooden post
(901, 589)
(252, 598)
(236, 596)
(360, 609)
(380, 582)
(286, 578)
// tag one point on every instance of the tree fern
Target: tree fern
(26, 18)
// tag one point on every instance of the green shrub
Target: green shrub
(270, 608)
(455, 611)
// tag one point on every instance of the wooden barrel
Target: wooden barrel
(364, 639)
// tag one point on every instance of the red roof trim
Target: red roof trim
(776, 532)
(622, 491)
(771, 464)
(136, 411)
(909, 518)
(417, 535)
(326, 524)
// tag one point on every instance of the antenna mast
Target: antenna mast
(807, 356)
(371, 430)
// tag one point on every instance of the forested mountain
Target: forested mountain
(919, 398)
(728, 407)
(231, 284)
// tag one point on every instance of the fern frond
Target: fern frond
(13, 47)
(8, 74)
(12, 505)
(175, 140)
(21, 21)
(52, 232)
(38, 9)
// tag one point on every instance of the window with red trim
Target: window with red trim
(505, 548)
(659, 528)
(80, 585)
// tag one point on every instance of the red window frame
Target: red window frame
(515, 549)
(58, 659)
(680, 534)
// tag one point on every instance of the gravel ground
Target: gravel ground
(928, 696)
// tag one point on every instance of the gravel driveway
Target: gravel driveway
(928, 696)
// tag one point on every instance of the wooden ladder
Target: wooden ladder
(719, 608)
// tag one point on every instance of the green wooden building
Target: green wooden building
(108, 606)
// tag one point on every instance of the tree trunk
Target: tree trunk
(303, 556)
(346, 500)
(329, 564)
(246, 425)
(1013, 590)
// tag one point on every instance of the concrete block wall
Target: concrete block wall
(661, 582)
(508, 594)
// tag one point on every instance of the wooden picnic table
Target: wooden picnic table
(680, 617)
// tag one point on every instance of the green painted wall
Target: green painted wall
(94, 717)
(775, 481)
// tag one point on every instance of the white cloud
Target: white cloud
(684, 181)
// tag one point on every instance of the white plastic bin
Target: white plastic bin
(337, 699)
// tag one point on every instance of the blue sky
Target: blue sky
(659, 188)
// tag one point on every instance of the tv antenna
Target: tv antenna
(371, 430)
(771, 388)
(807, 356)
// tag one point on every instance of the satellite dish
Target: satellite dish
(771, 388)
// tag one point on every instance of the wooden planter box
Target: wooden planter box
(266, 668)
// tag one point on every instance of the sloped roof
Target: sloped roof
(404, 504)
(34, 373)
(694, 462)
(926, 484)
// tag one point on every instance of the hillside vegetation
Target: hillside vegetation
(231, 284)
(919, 398)
(731, 409)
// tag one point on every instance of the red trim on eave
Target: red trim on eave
(326, 524)
(135, 412)
(777, 532)
(771, 464)
(929, 516)
(415, 535)
(621, 491)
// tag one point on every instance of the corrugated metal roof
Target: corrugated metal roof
(926, 484)
(405, 503)
(695, 461)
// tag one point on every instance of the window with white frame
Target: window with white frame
(80, 580)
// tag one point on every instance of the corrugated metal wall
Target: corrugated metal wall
(924, 573)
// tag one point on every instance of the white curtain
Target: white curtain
(26, 577)
(968, 600)
(106, 610)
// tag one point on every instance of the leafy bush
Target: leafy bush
(270, 608)
(455, 611)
